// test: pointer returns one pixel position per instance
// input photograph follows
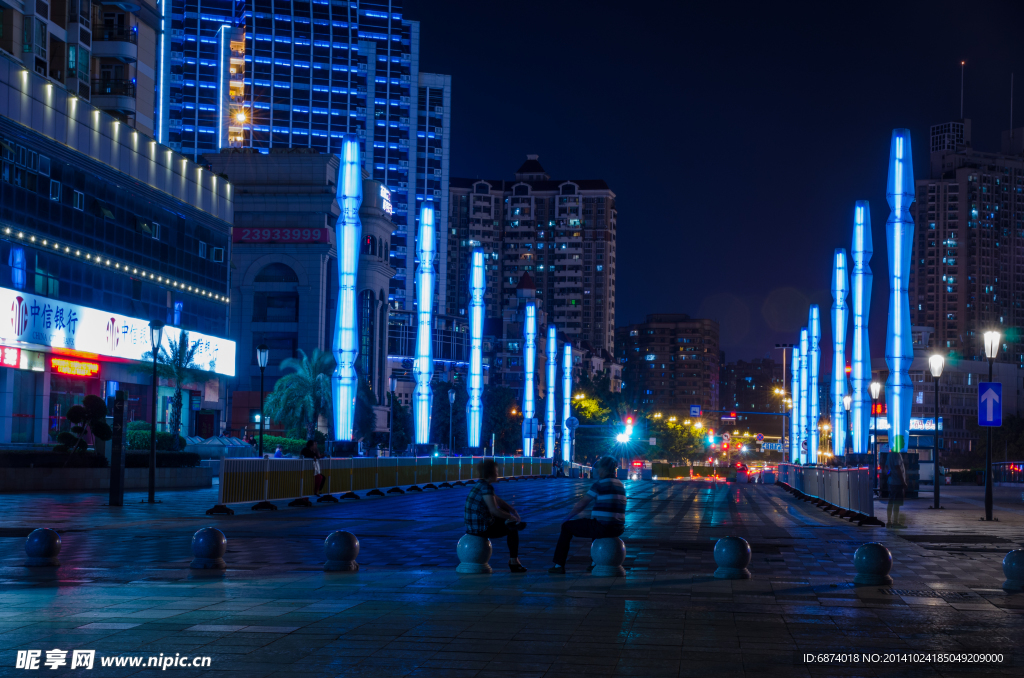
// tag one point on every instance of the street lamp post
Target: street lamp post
(991, 350)
(393, 385)
(156, 332)
(262, 353)
(876, 390)
(451, 431)
(935, 364)
(847, 403)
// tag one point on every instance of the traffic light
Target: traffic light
(725, 447)
(629, 421)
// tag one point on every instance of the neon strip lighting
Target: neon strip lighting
(348, 233)
(899, 233)
(813, 364)
(529, 361)
(840, 290)
(474, 408)
(551, 351)
(860, 361)
(805, 342)
(423, 362)
(566, 401)
(794, 412)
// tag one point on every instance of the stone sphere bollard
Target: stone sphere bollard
(474, 552)
(42, 548)
(1013, 568)
(208, 547)
(873, 562)
(341, 549)
(732, 555)
(608, 555)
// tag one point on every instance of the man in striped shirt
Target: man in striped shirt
(607, 517)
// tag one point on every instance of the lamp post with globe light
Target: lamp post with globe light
(847, 403)
(262, 354)
(876, 390)
(392, 384)
(935, 364)
(991, 351)
(451, 409)
(156, 331)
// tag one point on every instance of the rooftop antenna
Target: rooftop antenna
(962, 90)
(1011, 112)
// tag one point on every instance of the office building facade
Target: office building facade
(103, 230)
(969, 244)
(749, 386)
(670, 362)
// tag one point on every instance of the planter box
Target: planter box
(98, 479)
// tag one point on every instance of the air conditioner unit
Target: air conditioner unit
(438, 130)
(403, 163)
(437, 173)
(406, 100)
(404, 121)
(438, 109)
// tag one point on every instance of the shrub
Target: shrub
(288, 445)
(48, 459)
(163, 460)
(139, 440)
(139, 426)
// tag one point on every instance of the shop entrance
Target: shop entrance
(206, 423)
(65, 393)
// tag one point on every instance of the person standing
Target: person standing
(487, 515)
(312, 451)
(607, 517)
(897, 489)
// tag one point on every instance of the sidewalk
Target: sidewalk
(124, 587)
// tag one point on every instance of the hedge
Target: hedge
(288, 445)
(163, 460)
(139, 426)
(29, 459)
(139, 440)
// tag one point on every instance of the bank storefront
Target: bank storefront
(53, 354)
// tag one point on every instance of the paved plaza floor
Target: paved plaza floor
(124, 588)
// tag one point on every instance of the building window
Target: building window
(54, 190)
(277, 272)
(202, 249)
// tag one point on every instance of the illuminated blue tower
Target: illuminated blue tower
(348, 233)
(529, 362)
(566, 401)
(840, 288)
(794, 412)
(860, 363)
(899, 234)
(805, 353)
(551, 351)
(813, 364)
(474, 408)
(423, 363)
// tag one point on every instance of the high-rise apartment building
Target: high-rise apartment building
(969, 244)
(104, 53)
(750, 387)
(271, 74)
(670, 362)
(560, 231)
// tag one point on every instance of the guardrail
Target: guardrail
(579, 471)
(263, 481)
(844, 492)
(1008, 472)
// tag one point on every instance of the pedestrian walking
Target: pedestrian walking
(488, 515)
(897, 473)
(607, 517)
(312, 451)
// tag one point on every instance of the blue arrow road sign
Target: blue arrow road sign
(694, 410)
(990, 403)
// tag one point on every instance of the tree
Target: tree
(179, 367)
(440, 410)
(677, 442)
(401, 426)
(365, 418)
(89, 417)
(302, 397)
(498, 419)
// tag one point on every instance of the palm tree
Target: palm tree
(180, 367)
(305, 394)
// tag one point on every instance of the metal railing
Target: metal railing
(116, 35)
(124, 88)
(845, 488)
(1008, 472)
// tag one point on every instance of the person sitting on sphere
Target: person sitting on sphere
(607, 518)
(489, 516)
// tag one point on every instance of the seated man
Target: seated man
(607, 518)
(487, 515)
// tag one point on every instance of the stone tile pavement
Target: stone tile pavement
(124, 589)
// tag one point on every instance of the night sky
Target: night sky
(736, 139)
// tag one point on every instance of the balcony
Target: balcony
(119, 44)
(114, 95)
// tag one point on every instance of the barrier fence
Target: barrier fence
(244, 480)
(1008, 472)
(842, 491)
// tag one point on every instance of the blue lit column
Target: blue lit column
(860, 363)
(813, 364)
(423, 364)
(348, 232)
(551, 351)
(899, 233)
(529, 362)
(794, 412)
(805, 351)
(840, 288)
(474, 408)
(566, 402)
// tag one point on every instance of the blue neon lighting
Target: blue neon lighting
(794, 412)
(423, 364)
(899, 233)
(529, 361)
(805, 341)
(566, 401)
(860, 361)
(348, 233)
(840, 290)
(813, 363)
(551, 351)
(474, 408)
